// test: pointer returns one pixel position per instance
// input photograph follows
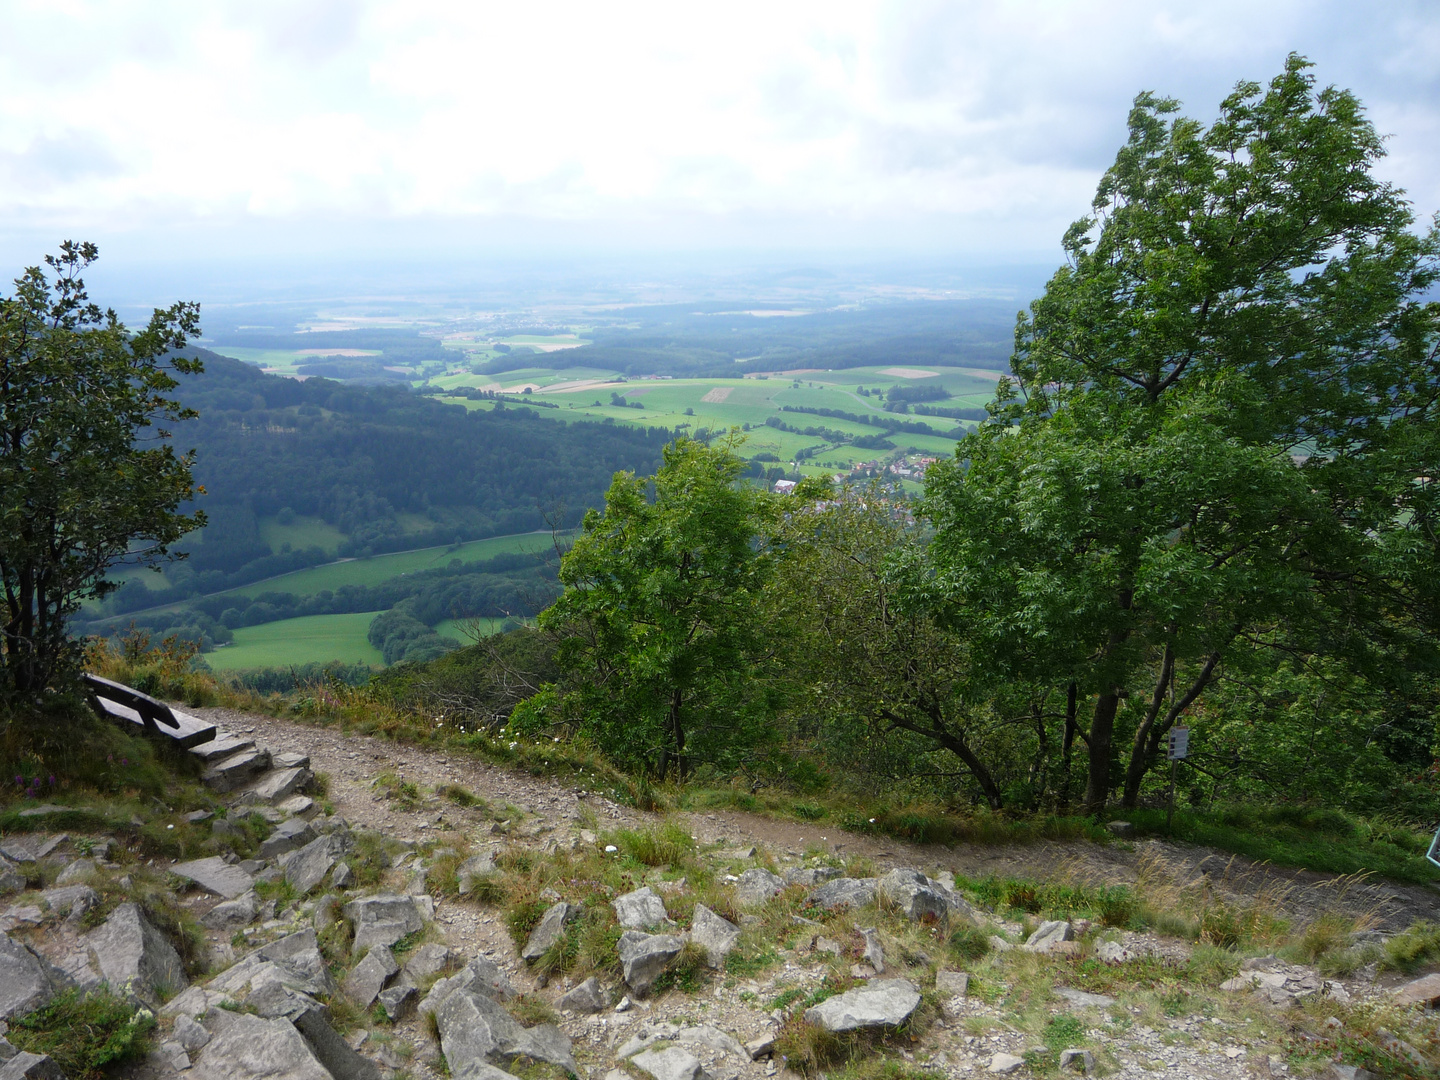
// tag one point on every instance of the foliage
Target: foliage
(1207, 457)
(659, 621)
(79, 488)
(86, 1033)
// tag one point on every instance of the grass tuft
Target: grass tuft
(85, 1034)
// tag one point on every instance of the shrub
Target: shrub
(85, 1034)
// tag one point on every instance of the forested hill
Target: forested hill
(388, 468)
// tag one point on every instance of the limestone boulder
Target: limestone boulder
(844, 893)
(134, 957)
(27, 981)
(914, 895)
(640, 909)
(588, 997)
(645, 957)
(28, 1066)
(215, 875)
(254, 1048)
(306, 867)
(383, 919)
(879, 1003)
(756, 886)
(669, 1063)
(715, 935)
(480, 975)
(549, 930)
(288, 835)
(231, 914)
(367, 978)
(811, 876)
(1047, 935)
(474, 1030)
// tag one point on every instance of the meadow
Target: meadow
(317, 638)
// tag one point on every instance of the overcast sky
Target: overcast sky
(972, 130)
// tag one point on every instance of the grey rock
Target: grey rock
(1084, 999)
(1423, 991)
(952, 983)
(1350, 1072)
(276, 999)
(644, 958)
(27, 981)
(383, 919)
(810, 876)
(342, 877)
(426, 962)
(913, 894)
(253, 1048)
(549, 930)
(1122, 829)
(301, 806)
(1077, 1060)
(640, 909)
(232, 913)
(299, 954)
(219, 749)
(11, 880)
(215, 875)
(134, 957)
(195, 817)
(279, 784)
(844, 893)
(398, 1001)
(15, 851)
(78, 871)
(367, 978)
(288, 835)
(1048, 935)
(72, 900)
(669, 1063)
(873, 954)
(756, 886)
(762, 1046)
(292, 760)
(1005, 1063)
(588, 997)
(190, 1033)
(715, 935)
(480, 975)
(712, 1038)
(235, 771)
(332, 1051)
(879, 1003)
(1112, 952)
(476, 1030)
(646, 1035)
(49, 844)
(307, 867)
(28, 1066)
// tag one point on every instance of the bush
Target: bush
(85, 1035)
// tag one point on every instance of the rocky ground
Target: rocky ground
(366, 938)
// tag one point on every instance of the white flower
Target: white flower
(610, 848)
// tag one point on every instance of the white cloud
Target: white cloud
(962, 123)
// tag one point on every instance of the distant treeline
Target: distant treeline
(369, 460)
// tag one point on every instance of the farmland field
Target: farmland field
(312, 638)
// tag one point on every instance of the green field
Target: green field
(460, 629)
(313, 638)
(586, 393)
(378, 568)
(302, 533)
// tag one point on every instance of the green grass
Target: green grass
(316, 638)
(457, 629)
(86, 1035)
(303, 532)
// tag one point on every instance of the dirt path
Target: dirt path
(353, 761)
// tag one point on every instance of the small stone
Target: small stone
(342, 877)
(588, 997)
(624, 1005)
(671, 1063)
(879, 1003)
(189, 1033)
(1047, 935)
(1424, 991)
(1112, 952)
(232, 913)
(1077, 1060)
(197, 816)
(760, 1047)
(756, 886)
(28, 1066)
(645, 957)
(398, 1001)
(78, 871)
(873, 954)
(715, 935)
(810, 876)
(549, 930)
(292, 760)
(425, 962)
(1122, 829)
(1005, 1063)
(640, 909)
(367, 978)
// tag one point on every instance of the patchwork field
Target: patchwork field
(313, 638)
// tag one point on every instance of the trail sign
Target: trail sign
(1179, 743)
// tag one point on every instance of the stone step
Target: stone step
(236, 770)
(222, 748)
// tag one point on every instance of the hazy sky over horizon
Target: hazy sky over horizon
(968, 129)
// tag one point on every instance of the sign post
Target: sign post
(1178, 746)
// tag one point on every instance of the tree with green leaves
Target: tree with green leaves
(660, 635)
(87, 479)
(1219, 430)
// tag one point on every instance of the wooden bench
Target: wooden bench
(126, 705)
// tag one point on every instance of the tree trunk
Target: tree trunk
(1102, 730)
(1144, 752)
(677, 731)
(1067, 747)
(1139, 761)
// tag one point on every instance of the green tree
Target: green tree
(1218, 413)
(661, 639)
(80, 489)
